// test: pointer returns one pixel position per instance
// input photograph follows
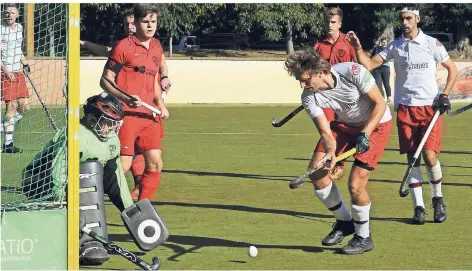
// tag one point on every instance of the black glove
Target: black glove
(26, 68)
(362, 143)
(442, 104)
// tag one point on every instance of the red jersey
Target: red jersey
(140, 67)
(339, 51)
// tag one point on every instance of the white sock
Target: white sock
(360, 214)
(17, 116)
(435, 179)
(9, 128)
(332, 200)
(415, 183)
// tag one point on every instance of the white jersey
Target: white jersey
(12, 42)
(347, 98)
(415, 68)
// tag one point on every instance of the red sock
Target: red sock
(137, 166)
(149, 184)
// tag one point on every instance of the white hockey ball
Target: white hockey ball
(253, 251)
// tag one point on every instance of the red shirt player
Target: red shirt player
(335, 49)
(134, 65)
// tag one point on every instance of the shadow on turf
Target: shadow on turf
(381, 163)
(229, 174)
(176, 243)
(243, 208)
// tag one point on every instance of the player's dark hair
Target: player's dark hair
(305, 60)
(142, 10)
(332, 12)
(11, 5)
(127, 13)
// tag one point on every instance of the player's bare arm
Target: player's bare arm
(158, 99)
(9, 75)
(96, 49)
(369, 63)
(165, 81)
(451, 75)
(378, 110)
(327, 139)
(105, 85)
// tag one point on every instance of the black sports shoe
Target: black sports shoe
(439, 210)
(358, 245)
(11, 149)
(418, 216)
(340, 230)
(93, 253)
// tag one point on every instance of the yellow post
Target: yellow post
(73, 63)
(30, 30)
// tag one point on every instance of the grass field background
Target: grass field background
(32, 133)
(225, 187)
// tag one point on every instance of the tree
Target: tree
(282, 20)
(386, 21)
(102, 23)
(181, 19)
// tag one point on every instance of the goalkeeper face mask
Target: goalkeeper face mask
(107, 128)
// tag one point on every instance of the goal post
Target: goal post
(73, 143)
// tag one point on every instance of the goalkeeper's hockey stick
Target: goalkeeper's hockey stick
(404, 191)
(292, 114)
(45, 108)
(150, 107)
(298, 181)
(123, 252)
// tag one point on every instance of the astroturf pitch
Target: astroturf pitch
(225, 187)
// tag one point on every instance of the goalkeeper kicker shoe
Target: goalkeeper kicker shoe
(439, 210)
(358, 245)
(340, 230)
(93, 253)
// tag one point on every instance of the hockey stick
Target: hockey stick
(287, 118)
(123, 252)
(150, 107)
(403, 191)
(298, 181)
(45, 108)
(460, 110)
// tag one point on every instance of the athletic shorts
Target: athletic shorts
(329, 114)
(140, 133)
(412, 123)
(346, 139)
(12, 91)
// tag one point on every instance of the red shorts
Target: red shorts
(346, 139)
(412, 123)
(12, 91)
(140, 133)
(329, 114)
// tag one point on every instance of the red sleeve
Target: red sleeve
(118, 53)
(316, 47)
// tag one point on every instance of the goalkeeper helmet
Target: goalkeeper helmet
(107, 114)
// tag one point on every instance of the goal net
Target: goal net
(29, 178)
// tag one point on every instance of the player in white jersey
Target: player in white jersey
(363, 120)
(14, 90)
(417, 97)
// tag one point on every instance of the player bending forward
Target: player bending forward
(363, 121)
